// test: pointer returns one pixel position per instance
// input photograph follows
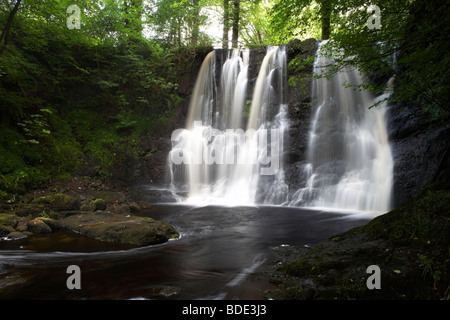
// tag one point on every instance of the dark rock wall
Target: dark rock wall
(419, 147)
(299, 106)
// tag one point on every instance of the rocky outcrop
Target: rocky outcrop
(99, 214)
(300, 67)
(409, 245)
(420, 148)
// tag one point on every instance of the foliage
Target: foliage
(71, 98)
(178, 22)
(76, 99)
(410, 46)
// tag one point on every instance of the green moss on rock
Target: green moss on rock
(121, 229)
(7, 219)
(65, 202)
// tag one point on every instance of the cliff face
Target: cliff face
(299, 101)
(420, 150)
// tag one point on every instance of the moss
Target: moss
(118, 228)
(64, 202)
(424, 219)
(410, 244)
(7, 219)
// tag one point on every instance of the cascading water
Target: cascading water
(350, 163)
(213, 159)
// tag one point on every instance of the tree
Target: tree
(235, 23)
(5, 33)
(410, 46)
(133, 10)
(325, 15)
(294, 18)
(226, 23)
(178, 22)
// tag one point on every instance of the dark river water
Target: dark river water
(218, 251)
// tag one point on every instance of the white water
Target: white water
(233, 155)
(226, 148)
(350, 162)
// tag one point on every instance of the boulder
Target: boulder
(38, 226)
(65, 202)
(7, 219)
(100, 204)
(124, 209)
(121, 229)
(134, 207)
(5, 230)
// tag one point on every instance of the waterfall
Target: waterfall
(350, 162)
(230, 151)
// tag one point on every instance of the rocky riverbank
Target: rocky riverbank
(410, 245)
(84, 206)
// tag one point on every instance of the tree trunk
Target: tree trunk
(5, 32)
(235, 26)
(226, 24)
(133, 15)
(326, 19)
(195, 24)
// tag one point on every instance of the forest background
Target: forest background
(79, 90)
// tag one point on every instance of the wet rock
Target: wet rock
(124, 209)
(5, 230)
(38, 226)
(169, 292)
(144, 204)
(418, 148)
(32, 209)
(100, 204)
(65, 202)
(134, 207)
(7, 219)
(119, 228)
(17, 235)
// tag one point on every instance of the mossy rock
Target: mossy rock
(33, 209)
(38, 226)
(7, 219)
(93, 205)
(99, 204)
(134, 207)
(109, 197)
(64, 202)
(121, 229)
(5, 230)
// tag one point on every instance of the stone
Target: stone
(100, 204)
(169, 292)
(64, 202)
(7, 219)
(119, 228)
(124, 209)
(5, 230)
(38, 226)
(134, 207)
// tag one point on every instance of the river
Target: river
(216, 256)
